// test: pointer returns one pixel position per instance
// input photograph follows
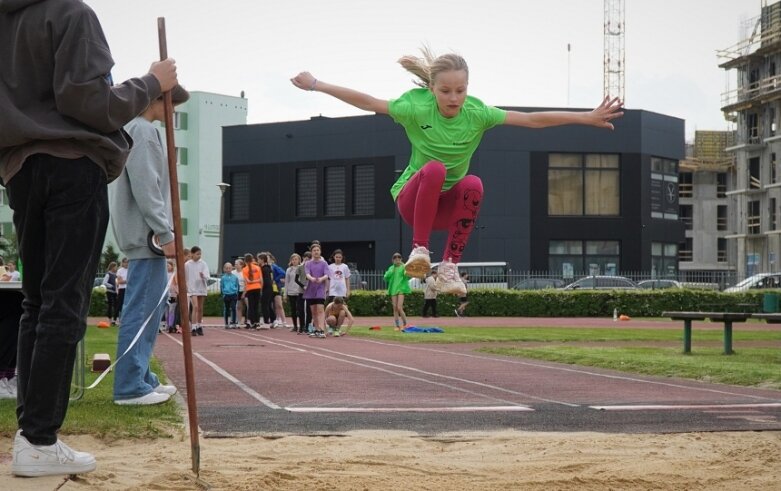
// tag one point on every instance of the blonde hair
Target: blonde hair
(429, 66)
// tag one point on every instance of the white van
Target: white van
(761, 280)
(492, 274)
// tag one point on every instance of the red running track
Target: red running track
(278, 372)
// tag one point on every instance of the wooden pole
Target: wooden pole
(192, 410)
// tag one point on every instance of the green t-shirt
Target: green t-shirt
(451, 141)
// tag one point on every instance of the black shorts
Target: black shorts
(315, 301)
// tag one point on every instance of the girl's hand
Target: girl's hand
(606, 112)
(304, 81)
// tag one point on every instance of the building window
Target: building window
(752, 128)
(306, 193)
(578, 257)
(664, 260)
(180, 120)
(181, 155)
(583, 184)
(363, 190)
(3, 196)
(721, 217)
(184, 226)
(685, 185)
(685, 250)
(754, 178)
(6, 229)
(754, 218)
(773, 170)
(722, 250)
(239, 196)
(772, 213)
(334, 192)
(183, 191)
(721, 185)
(686, 212)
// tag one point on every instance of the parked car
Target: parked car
(761, 280)
(602, 283)
(658, 284)
(539, 284)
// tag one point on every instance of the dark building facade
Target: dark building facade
(571, 199)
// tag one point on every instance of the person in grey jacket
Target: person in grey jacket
(140, 203)
(61, 142)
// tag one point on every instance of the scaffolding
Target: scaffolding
(614, 57)
(764, 39)
(710, 154)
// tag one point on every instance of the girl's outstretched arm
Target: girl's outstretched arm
(306, 81)
(600, 117)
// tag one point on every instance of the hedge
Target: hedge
(535, 303)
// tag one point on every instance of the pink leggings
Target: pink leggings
(424, 206)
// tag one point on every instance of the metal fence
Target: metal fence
(714, 280)
(373, 280)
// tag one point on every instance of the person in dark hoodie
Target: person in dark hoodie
(140, 202)
(61, 142)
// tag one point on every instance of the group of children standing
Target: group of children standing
(255, 287)
(314, 290)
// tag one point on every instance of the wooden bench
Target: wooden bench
(726, 318)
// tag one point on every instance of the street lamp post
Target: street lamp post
(223, 187)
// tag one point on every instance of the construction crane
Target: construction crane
(614, 66)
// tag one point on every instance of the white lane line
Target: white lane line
(641, 407)
(241, 385)
(573, 370)
(416, 370)
(454, 409)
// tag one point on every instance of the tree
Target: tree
(109, 255)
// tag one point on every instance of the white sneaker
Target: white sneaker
(145, 400)
(448, 280)
(6, 391)
(47, 460)
(419, 263)
(165, 389)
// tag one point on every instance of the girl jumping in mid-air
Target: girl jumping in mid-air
(444, 127)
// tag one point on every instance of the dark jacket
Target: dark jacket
(56, 93)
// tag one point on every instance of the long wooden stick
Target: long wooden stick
(192, 409)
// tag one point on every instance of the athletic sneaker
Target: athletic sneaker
(419, 263)
(165, 389)
(48, 460)
(146, 400)
(337, 334)
(448, 280)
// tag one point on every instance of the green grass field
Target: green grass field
(96, 412)
(750, 366)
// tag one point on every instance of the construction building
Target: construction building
(705, 176)
(755, 106)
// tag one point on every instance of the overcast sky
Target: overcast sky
(516, 50)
